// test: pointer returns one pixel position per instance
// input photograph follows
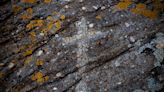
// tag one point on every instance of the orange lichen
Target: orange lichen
(32, 34)
(28, 52)
(29, 10)
(62, 17)
(39, 77)
(158, 5)
(28, 14)
(136, 11)
(141, 6)
(150, 14)
(98, 17)
(141, 9)
(123, 5)
(25, 17)
(33, 77)
(39, 62)
(46, 78)
(34, 23)
(28, 1)
(16, 9)
(47, 1)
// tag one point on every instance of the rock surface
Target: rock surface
(81, 46)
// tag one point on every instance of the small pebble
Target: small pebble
(119, 83)
(66, 6)
(59, 74)
(56, 35)
(11, 65)
(122, 15)
(103, 7)
(126, 36)
(41, 34)
(83, 8)
(111, 30)
(55, 88)
(91, 25)
(127, 24)
(39, 53)
(132, 39)
(95, 7)
(129, 45)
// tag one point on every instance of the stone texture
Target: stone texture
(79, 46)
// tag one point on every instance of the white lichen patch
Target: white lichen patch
(82, 39)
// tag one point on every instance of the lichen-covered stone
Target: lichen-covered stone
(81, 45)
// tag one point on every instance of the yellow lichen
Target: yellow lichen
(28, 1)
(39, 77)
(28, 14)
(50, 25)
(123, 5)
(28, 52)
(44, 30)
(28, 60)
(58, 25)
(40, 80)
(62, 17)
(34, 23)
(32, 34)
(39, 62)
(20, 49)
(55, 13)
(47, 1)
(50, 18)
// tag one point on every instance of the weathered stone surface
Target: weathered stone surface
(81, 46)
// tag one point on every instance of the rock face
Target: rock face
(81, 46)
